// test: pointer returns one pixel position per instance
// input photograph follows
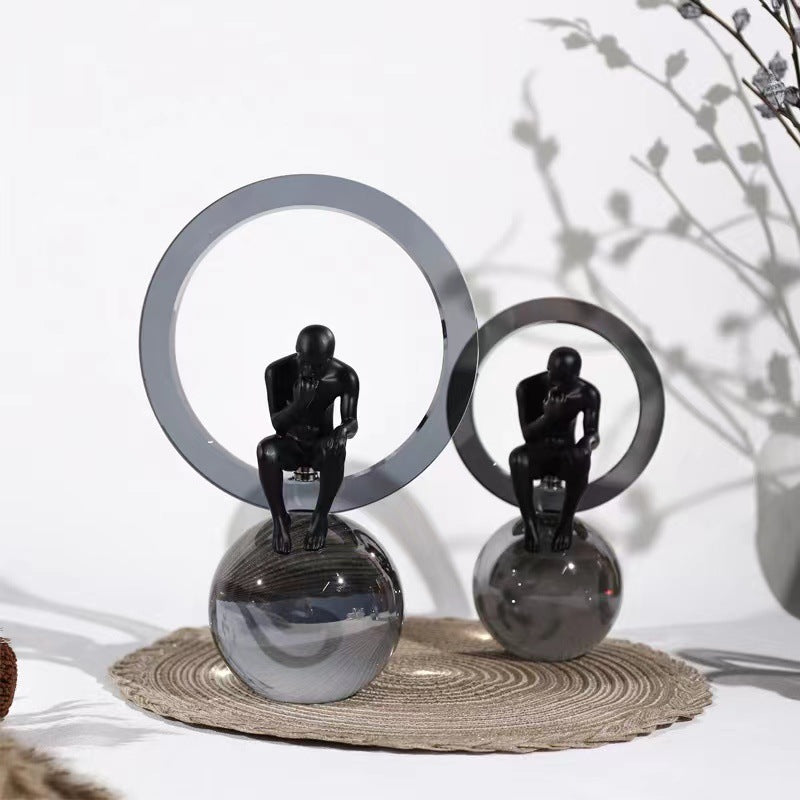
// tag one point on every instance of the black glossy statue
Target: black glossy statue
(548, 405)
(302, 389)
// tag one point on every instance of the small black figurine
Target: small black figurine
(301, 390)
(548, 405)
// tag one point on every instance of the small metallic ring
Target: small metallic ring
(160, 310)
(648, 383)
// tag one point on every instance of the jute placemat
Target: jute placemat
(448, 686)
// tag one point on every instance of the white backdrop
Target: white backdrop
(123, 120)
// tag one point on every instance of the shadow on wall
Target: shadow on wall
(752, 402)
(419, 540)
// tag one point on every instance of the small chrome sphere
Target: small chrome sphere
(547, 606)
(309, 626)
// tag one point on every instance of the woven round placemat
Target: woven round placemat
(448, 686)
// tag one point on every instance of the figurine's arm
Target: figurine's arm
(532, 430)
(538, 429)
(283, 412)
(591, 421)
(349, 406)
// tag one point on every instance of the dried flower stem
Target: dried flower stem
(733, 32)
(744, 43)
(789, 28)
(779, 116)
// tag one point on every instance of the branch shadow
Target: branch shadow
(731, 668)
(730, 402)
(72, 722)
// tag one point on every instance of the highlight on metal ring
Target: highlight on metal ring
(645, 372)
(160, 310)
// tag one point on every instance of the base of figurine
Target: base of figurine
(310, 626)
(547, 606)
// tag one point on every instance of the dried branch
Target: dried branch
(739, 36)
(779, 116)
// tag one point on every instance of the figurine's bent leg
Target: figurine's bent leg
(331, 474)
(275, 454)
(576, 478)
(522, 480)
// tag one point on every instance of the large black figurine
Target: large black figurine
(548, 405)
(302, 389)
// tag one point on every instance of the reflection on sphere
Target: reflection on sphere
(547, 606)
(308, 627)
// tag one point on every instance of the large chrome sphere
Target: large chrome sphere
(310, 626)
(547, 606)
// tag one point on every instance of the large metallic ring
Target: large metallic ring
(632, 349)
(157, 336)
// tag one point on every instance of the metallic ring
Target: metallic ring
(632, 349)
(160, 310)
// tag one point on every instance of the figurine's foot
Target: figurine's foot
(281, 540)
(315, 538)
(562, 540)
(522, 528)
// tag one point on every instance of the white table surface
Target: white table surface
(745, 744)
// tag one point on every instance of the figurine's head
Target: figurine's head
(563, 367)
(315, 345)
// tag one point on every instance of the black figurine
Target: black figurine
(548, 405)
(302, 389)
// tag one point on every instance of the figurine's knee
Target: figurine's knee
(518, 460)
(267, 451)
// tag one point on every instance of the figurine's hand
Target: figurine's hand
(336, 442)
(554, 403)
(305, 390)
(585, 446)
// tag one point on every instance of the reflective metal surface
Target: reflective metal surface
(157, 336)
(547, 606)
(308, 627)
(648, 382)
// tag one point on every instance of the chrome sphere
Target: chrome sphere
(547, 606)
(310, 626)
